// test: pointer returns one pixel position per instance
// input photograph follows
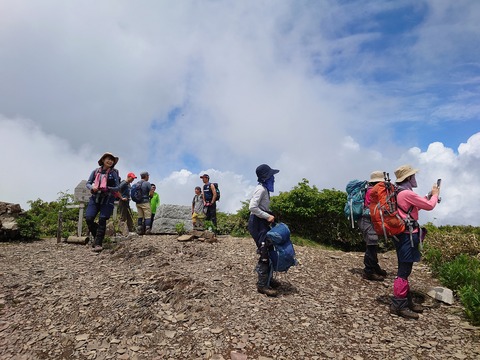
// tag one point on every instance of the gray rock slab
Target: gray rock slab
(168, 216)
(442, 294)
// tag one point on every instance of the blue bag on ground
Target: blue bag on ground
(283, 254)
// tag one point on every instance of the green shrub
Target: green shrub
(234, 225)
(317, 215)
(462, 275)
(208, 224)
(470, 297)
(28, 226)
(452, 241)
(464, 270)
(180, 228)
(433, 257)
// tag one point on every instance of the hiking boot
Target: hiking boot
(148, 231)
(405, 313)
(399, 306)
(140, 230)
(267, 291)
(372, 276)
(381, 272)
(274, 284)
(412, 306)
(97, 248)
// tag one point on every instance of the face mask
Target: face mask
(413, 181)
(269, 183)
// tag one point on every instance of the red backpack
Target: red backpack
(384, 209)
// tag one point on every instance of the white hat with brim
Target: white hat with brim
(376, 176)
(404, 172)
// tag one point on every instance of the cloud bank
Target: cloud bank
(319, 90)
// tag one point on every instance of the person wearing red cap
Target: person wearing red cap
(124, 202)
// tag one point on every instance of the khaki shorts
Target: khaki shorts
(144, 211)
(198, 216)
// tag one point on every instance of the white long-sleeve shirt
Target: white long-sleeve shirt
(260, 202)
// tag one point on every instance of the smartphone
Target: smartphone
(439, 182)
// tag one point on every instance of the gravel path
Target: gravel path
(157, 298)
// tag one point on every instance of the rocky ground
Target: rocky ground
(157, 298)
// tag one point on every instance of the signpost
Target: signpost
(82, 195)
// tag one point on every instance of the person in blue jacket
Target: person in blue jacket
(258, 226)
(103, 184)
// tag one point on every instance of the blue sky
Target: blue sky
(323, 90)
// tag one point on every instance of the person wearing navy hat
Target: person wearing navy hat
(259, 224)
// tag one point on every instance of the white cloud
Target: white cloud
(223, 86)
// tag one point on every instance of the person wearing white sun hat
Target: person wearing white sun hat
(407, 243)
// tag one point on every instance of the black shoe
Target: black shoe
(404, 312)
(372, 276)
(275, 284)
(267, 291)
(381, 272)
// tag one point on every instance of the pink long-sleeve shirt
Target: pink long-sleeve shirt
(407, 198)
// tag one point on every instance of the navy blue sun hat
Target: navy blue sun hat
(264, 172)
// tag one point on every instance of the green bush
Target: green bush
(433, 257)
(451, 241)
(46, 216)
(464, 270)
(462, 275)
(317, 215)
(28, 226)
(180, 228)
(470, 297)
(234, 225)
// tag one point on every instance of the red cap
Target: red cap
(132, 175)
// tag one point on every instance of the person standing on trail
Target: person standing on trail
(154, 203)
(143, 207)
(407, 245)
(124, 202)
(209, 200)
(103, 184)
(258, 226)
(197, 208)
(372, 270)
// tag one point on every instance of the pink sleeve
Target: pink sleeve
(408, 198)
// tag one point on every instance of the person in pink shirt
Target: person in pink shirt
(407, 243)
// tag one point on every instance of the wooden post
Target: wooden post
(80, 220)
(59, 228)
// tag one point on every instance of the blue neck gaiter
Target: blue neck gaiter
(269, 183)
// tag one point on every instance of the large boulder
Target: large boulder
(8, 221)
(168, 216)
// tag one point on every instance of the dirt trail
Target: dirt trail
(157, 298)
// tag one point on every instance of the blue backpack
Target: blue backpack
(356, 190)
(282, 255)
(136, 193)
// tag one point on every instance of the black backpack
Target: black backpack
(217, 190)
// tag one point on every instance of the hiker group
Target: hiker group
(381, 208)
(106, 187)
(378, 206)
